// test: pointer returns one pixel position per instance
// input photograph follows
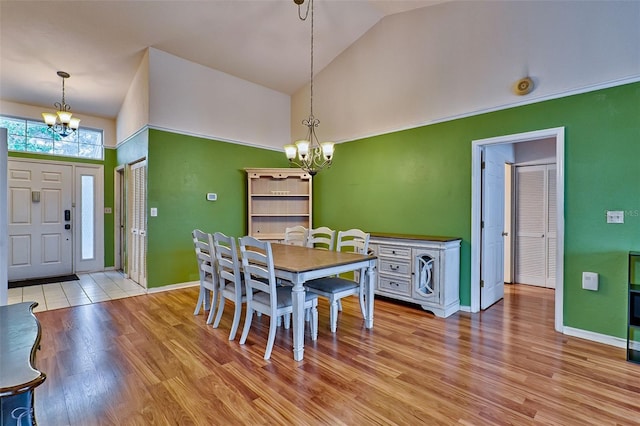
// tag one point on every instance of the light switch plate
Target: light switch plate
(154, 211)
(615, 216)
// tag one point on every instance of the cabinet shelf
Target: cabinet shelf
(277, 199)
(279, 215)
(279, 195)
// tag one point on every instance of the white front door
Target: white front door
(39, 202)
(492, 251)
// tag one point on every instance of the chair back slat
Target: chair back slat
(353, 240)
(204, 250)
(296, 235)
(322, 237)
(257, 265)
(227, 258)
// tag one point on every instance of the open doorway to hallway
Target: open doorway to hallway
(487, 260)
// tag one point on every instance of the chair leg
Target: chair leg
(212, 304)
(361, 296)
(221, 304)
(314, 322)
(200, 301)
(333, 315)
(272, 338)
(340, 305)
(236, 321)
(247, 325)
(287, 321)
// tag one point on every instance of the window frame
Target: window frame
(39, 139)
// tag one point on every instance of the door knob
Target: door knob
(505, 234)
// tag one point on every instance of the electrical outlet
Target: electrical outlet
(615, 216)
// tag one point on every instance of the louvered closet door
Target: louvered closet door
(535, 225)
(137, 221)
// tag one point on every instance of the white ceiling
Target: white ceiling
(101, 43)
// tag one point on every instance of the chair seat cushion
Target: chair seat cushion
(231, 287)
(284, 297)
(331, 284)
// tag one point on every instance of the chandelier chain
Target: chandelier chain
(312, 155)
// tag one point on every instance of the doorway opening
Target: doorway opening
(481, 261)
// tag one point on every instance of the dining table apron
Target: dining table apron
(300, 264)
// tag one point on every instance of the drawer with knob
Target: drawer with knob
(394, 267)
(394, 285)
(394, 251)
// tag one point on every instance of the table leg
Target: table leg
(297, 296)
(370, 282)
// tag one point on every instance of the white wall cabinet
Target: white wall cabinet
(278, 199)
(419, 269)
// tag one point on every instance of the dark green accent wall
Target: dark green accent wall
(109, 163)
(180, 171)
(418, 181)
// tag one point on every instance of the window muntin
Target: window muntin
(35, 137)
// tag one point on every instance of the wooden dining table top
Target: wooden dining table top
(299, 259)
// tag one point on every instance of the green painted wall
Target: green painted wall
(109, 163)
(181, 170)
(110, 158)
(419, 181)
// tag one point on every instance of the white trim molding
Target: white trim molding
(595, 337)
(172, 287)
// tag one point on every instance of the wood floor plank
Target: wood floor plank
(147, 360)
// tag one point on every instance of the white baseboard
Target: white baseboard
(595, 337)
(465, 308)
(172, 287)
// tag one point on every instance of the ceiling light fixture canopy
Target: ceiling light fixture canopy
(62, 121)
(312, 156)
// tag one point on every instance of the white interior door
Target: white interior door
(137, 223)
(492, 250)
(39, 209)
(535, 225)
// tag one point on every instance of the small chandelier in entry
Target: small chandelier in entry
(62, 121)
(312, 156)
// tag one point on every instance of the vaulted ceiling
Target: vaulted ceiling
(101, 43)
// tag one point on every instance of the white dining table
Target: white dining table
(300, 264)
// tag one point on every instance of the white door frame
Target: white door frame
(476, 203)
(118, 224)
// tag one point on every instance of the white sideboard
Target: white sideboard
(419, 269)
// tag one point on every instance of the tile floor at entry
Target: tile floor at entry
(90, 288)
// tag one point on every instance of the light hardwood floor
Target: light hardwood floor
(146, 360)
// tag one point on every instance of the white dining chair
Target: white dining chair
(206, 269)
(296, 235)
(322, 237)
(230, 278)
(263, 295)
(336, 288)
